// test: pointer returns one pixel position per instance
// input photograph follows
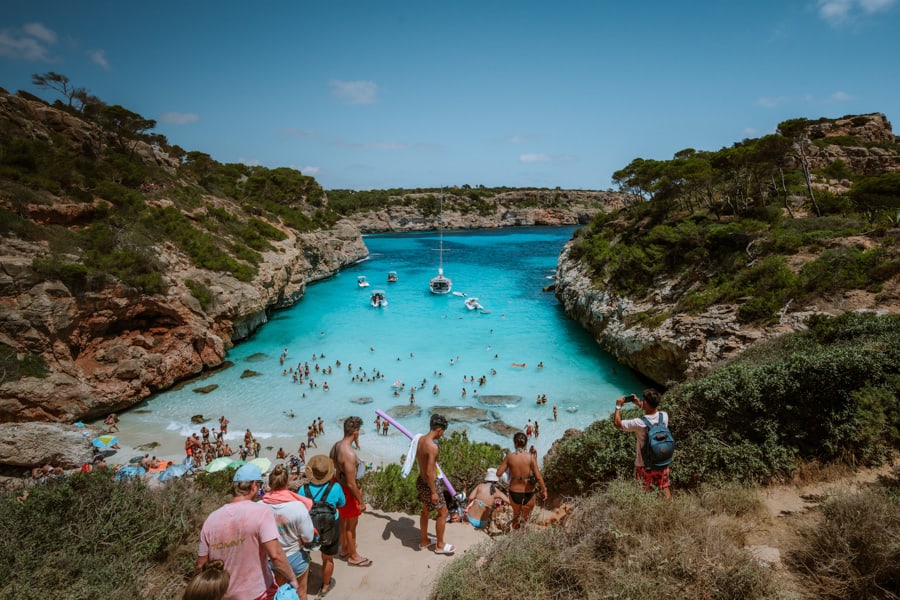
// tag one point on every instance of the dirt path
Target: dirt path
(792, 507)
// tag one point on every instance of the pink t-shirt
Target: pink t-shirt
(235, 534)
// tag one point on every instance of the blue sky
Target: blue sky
(372, 95)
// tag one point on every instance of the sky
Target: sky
(373, 95)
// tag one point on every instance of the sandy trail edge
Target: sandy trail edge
(399, 570)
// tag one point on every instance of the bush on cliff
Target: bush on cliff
(831, 393)
(87, 536)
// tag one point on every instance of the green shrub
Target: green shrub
(463, 461)
(200, 291)
(88, 536)
(854, 552)
(15, 367)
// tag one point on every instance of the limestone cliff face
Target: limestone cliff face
(108, 350)
(667, 346)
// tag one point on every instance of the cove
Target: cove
(419, 339)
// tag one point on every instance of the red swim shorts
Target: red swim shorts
(659, 479)
(350, 510)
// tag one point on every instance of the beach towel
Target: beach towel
(282, 496)
(410, 455)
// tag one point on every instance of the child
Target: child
(210, 583)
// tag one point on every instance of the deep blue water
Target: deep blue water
(417, 336)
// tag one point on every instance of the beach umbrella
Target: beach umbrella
(105, 441)
(218, 464)
(173, 472)
(236, 464)
(262, 462)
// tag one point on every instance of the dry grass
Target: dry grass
(623, 543)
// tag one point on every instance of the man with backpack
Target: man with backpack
(327, 497)
(654, 442)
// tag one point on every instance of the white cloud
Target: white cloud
(40, 32)
(99, 57)
(311, 171)
(354, 92)
(875, 6)
(751, 132)
(841, 97)
(174, 118)
(839, 12)
(31, 43)
(767, 102)
(534, 157)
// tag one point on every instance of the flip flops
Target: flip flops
(365, 562)
(431, 542)
(447, 549)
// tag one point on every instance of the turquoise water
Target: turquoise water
(417, 336)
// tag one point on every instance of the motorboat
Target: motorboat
(460, 294)
(473, 304)
(362, 282)
(441, 284)
(378, 299)
(392, 276)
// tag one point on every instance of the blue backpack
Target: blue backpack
(659, 446)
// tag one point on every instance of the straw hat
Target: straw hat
(320, 469)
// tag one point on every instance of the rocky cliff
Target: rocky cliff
(650, 330)
(107, 350)
(521, 208)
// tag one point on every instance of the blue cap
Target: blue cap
(248, 472)
(286, 592)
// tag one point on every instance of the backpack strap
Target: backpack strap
(308, 491)
(325, 492)
(646, 422)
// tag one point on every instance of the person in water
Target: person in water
(524, 475)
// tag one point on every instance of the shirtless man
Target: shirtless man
(346, 463)
(428, 486)
(523, 474)
(485, 497)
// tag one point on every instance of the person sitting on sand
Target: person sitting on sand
(483, 499)
(111, 423)
(280, 455)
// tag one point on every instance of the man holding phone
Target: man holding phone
(649, 404)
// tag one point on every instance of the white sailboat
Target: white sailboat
(441, 284)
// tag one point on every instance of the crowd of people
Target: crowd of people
(282, 512)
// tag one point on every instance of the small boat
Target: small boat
(441, 284)
(472, 303)
(378, 299)
(460, 294)
(361, 281)
(392, 276)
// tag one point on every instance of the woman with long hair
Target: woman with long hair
(295, 528)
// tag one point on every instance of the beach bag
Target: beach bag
(659, 446)
(322, 515)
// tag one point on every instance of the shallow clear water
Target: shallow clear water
(417, 336)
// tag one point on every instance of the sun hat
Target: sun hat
(320, 469)
(248, 472)
(491, 475)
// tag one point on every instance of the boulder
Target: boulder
(34, 444)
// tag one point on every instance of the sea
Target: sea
(501, 358)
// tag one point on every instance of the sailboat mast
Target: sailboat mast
(441, 256)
